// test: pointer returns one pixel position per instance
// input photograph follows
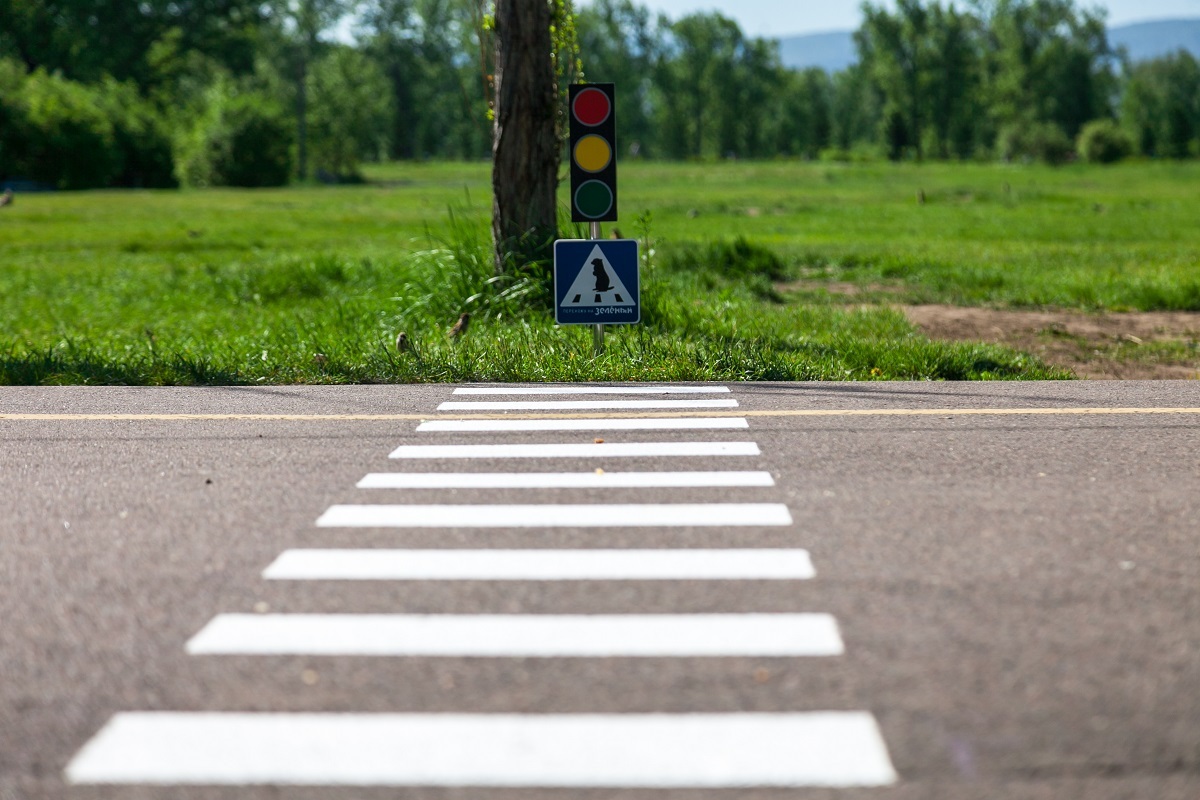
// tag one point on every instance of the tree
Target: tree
(1161, 105)
(389, 35)
(620, 44)
(85, 40)
(525, 147)
(699, 69)
(953, 81)
(805, 123)
(1047, 62)
(351, 111)
(761, 80)
(895, 52)
(855, 108)
(301, 23)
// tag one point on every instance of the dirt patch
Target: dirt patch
(837, 288)
(1136, 346)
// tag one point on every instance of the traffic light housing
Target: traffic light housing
(593, 152)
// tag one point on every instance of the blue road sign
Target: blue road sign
(596, 282)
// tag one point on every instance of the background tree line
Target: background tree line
(245, 92)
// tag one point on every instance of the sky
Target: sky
(786, 17)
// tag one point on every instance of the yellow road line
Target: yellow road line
(856, 412)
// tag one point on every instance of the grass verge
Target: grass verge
(331, 320)
(313, 284)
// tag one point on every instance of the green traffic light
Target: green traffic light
(593, 199)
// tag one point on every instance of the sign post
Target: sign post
(598, 330)
(595, 280)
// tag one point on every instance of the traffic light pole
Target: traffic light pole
(597, 330)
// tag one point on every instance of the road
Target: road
(911, 591)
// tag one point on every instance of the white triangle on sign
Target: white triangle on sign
(597, 285)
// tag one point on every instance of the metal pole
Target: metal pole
(597, 330)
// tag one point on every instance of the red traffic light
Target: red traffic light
(591, 107)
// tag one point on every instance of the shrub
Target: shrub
(737, 259)
(13, 120)
(70, 142)
(1039, 141)
(75, 136)
(257, 147)
(1103, 142)
(240, 139)
(142, 139)
(739, 262)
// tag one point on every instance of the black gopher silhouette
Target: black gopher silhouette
(602, 282)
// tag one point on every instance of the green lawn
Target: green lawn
(311, 284)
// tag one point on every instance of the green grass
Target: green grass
(312, 284)
(1121, 238)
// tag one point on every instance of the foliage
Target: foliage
(74, 136)
(70, 141)
(437, 62)
(1104, 142)
(239, 138)
(85, 41)
(568, 63)
(1161, 105)
(1042, 141)
(1014, 79)
(952, 81)
(141, 136)
(620, 43)
(351, 117)
(14, 124)
(1048, 62)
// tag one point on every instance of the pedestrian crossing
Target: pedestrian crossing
(831, 749)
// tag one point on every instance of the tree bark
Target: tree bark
(302, 117)
(525, 150)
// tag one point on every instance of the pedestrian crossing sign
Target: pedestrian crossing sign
(596, 282)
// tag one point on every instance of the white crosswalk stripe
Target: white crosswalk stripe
(599, 479)
(567, 390)
(513, 425)
(832, 749)
(595, 450)
(520, 636)
(541, 565)
(582, 405)
(708, 515)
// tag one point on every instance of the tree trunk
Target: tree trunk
(525, 150)
(302, 117)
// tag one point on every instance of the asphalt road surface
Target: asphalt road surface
(909, 591)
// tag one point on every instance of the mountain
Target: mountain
(1146, 40)
(830, 51)
(835, 51)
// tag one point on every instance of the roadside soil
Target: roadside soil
(1146, 345)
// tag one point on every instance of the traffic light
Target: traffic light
(593, 152)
